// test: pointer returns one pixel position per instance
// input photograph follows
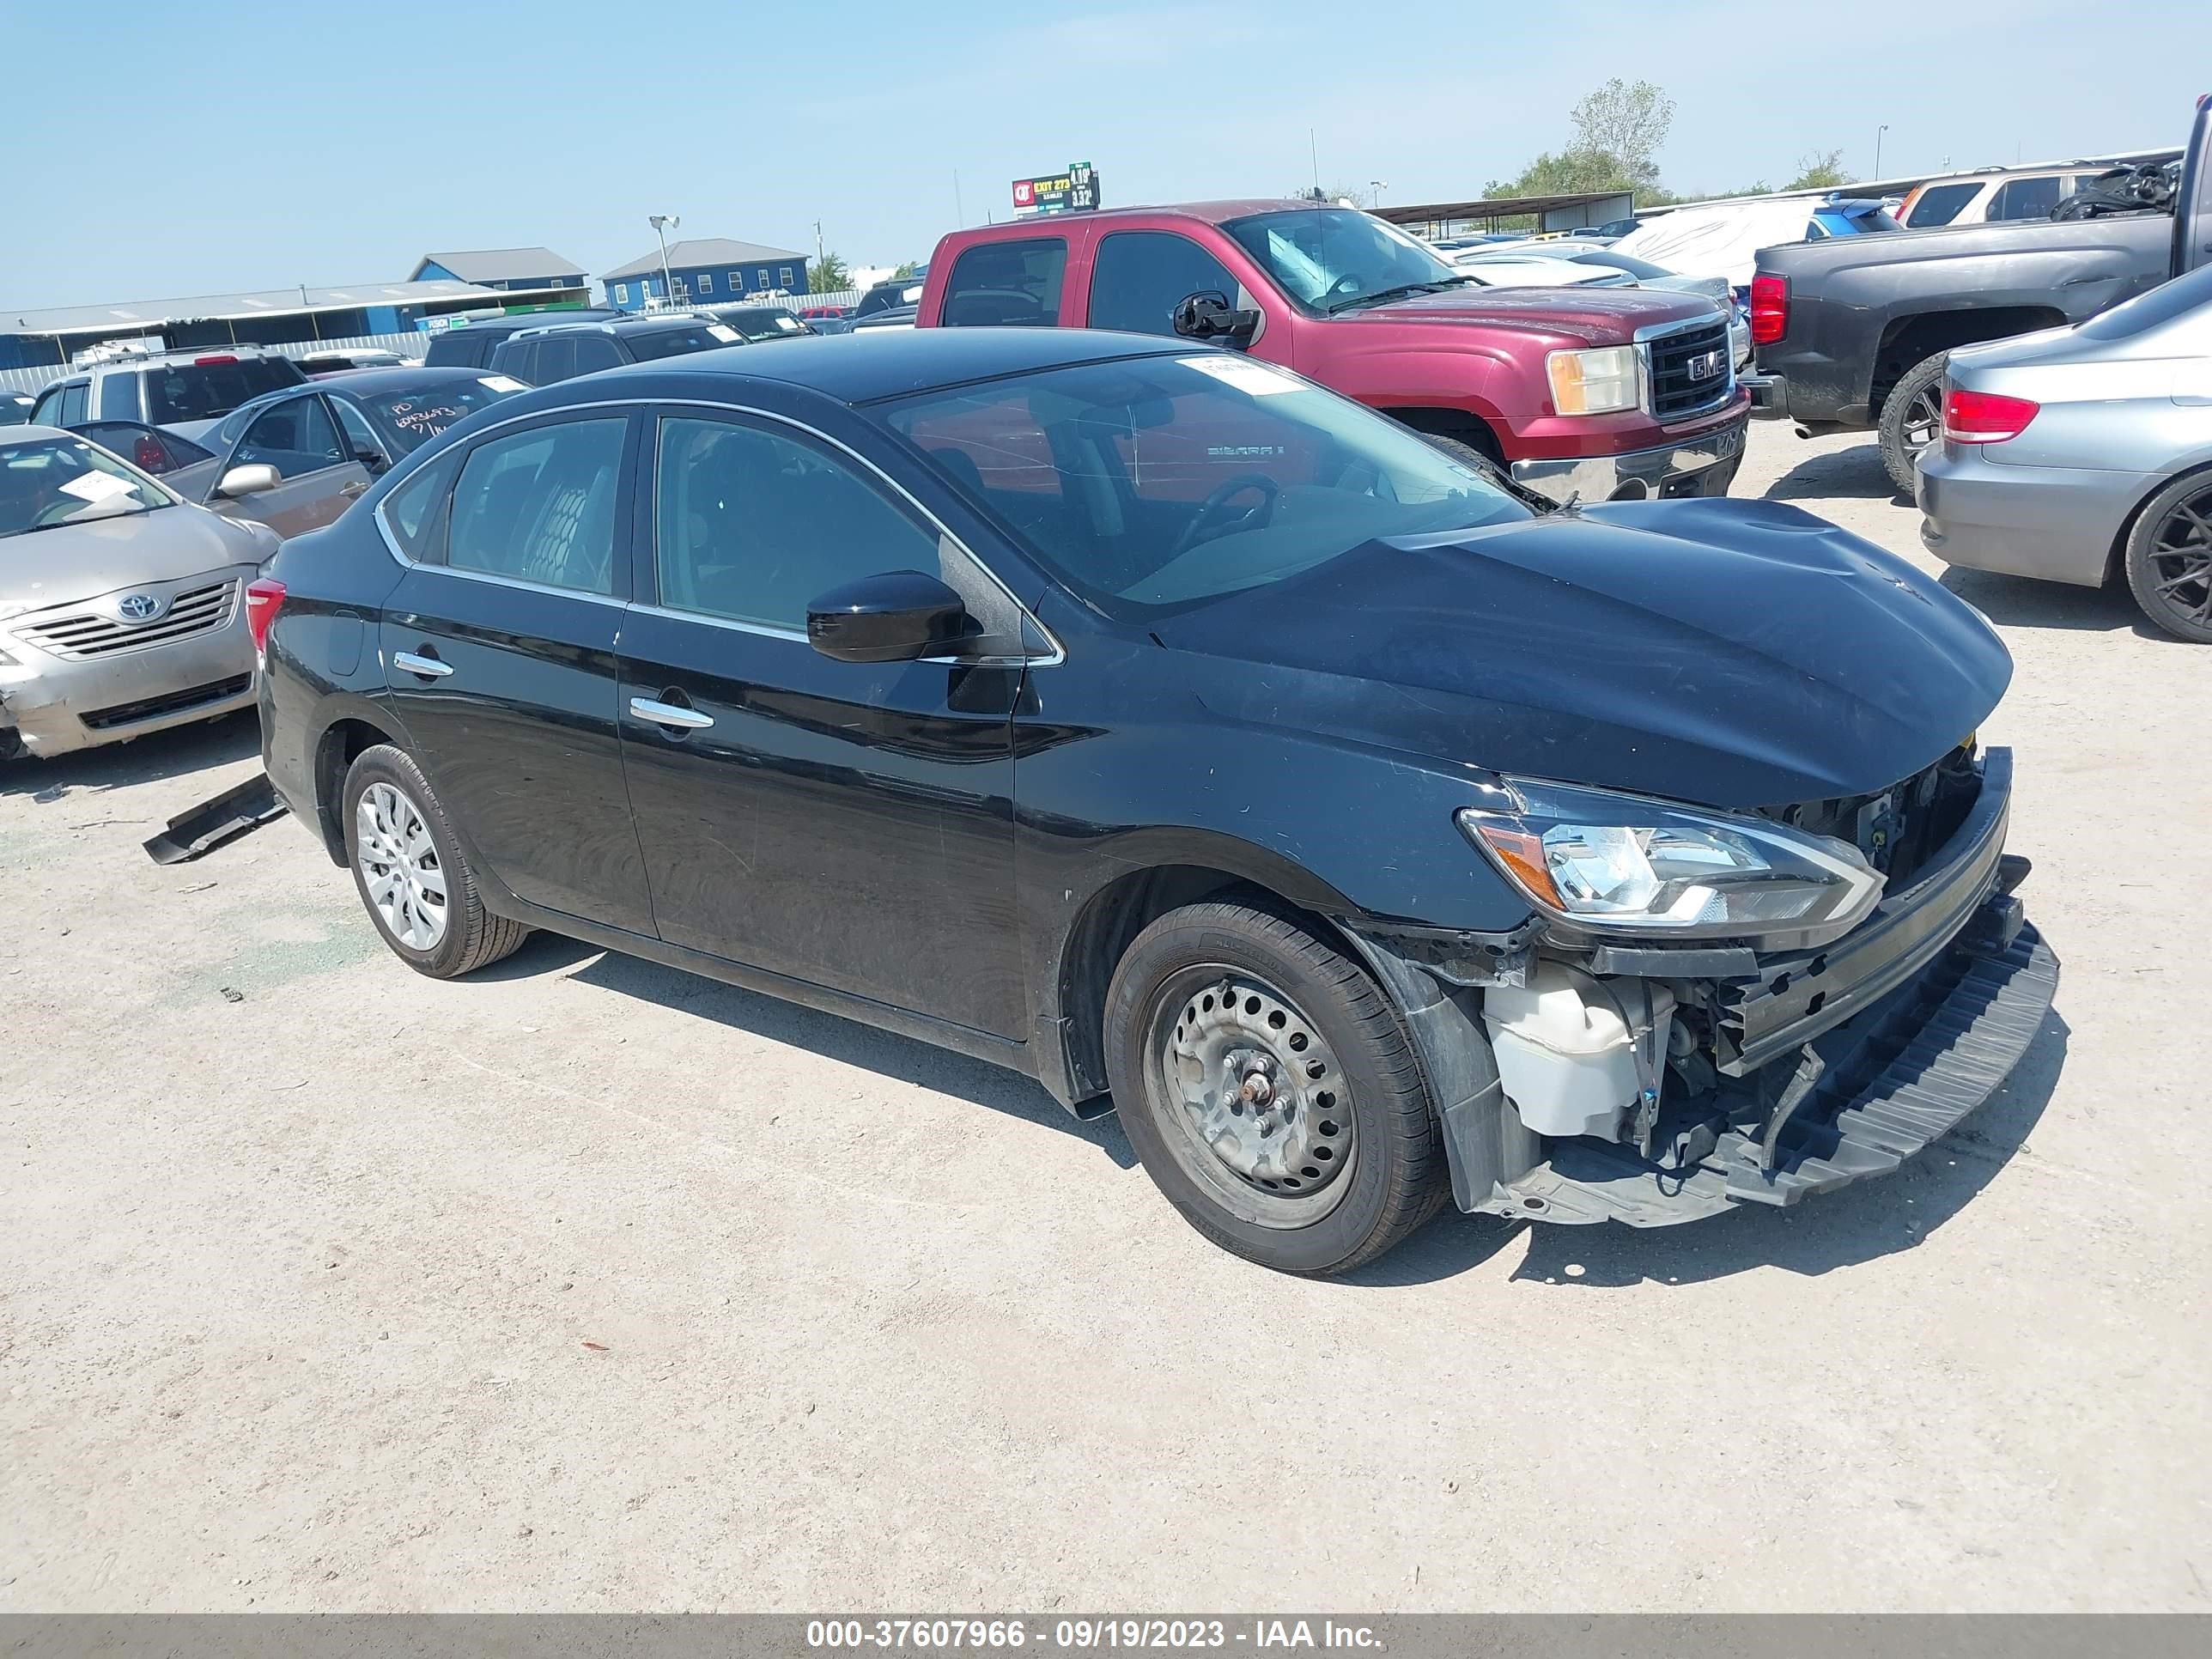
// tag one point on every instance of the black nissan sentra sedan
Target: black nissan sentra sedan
(1152, 722)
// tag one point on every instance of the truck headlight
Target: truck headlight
(1609, 861)
(1599, 382)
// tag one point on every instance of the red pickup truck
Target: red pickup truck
(1603, 393)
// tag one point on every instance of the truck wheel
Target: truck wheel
(411, 874)
(1266, 1084)
(2169, 559)
(1911, 416)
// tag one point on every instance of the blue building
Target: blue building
(513, 268)
(709, 270)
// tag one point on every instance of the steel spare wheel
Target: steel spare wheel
(1256, 1108)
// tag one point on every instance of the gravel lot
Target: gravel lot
(587, 1284)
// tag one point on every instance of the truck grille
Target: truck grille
(88, 636)
(1690, 369)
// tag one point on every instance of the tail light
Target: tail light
(1770, 308)
(263, 597)
(201, 362)
(147, 455)
(1985, 418)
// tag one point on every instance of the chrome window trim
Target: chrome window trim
(1052, 659)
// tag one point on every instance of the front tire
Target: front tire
(1911, 418)
(1266, 1084)
(412, 877)
(2169, 559)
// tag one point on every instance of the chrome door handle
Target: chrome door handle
(667, 713)
(428, 667)
(356, 486)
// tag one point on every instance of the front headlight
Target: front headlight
(1609, 861)
(1599, 382)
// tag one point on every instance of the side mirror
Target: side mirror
(894, 617)
(1207, 315)
(249, 480)
(374, 460)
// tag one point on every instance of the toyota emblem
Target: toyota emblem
(138, 607)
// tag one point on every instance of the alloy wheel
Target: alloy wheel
(1923, 419)
(1257, 1106)
(2180, 560)
(400, 869)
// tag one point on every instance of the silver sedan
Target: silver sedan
(2084, 454)
(122, 605)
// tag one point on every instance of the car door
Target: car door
(317, 476)
(847, 824)
(1138, 278)
(499, 657)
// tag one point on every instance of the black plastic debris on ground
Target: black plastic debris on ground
(212, 823)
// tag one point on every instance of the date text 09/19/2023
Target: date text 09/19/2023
(1081, 1635)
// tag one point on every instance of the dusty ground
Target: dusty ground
(301, 1258)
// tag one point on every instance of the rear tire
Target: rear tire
(2169, 559)
(413, 878)
(1269, 1088)
(1911, 418)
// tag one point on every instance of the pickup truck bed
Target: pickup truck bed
(1862, 311)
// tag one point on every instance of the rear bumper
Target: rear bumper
(2054, 523)
(1705, 465)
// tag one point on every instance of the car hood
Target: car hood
(1732, 653)
(75, 562)
(1601, 316)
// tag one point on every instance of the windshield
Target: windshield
(48, 482)
(410, 419)
(202, 391)
(1152, 485)
(765, 324)
(647, 345)
(1332, 259)
(1642, 270)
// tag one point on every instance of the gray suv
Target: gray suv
(184, 391)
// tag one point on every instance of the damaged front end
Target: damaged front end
(1588, 1075)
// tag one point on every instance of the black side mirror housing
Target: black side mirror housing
(896, 616)
(1207, 315)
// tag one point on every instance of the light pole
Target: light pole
(662, 223)
(1878, 132)
(1378, 185)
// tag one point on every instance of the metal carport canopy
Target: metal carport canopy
(1593, 206)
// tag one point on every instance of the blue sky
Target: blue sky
(238, 143)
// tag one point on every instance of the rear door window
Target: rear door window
(118, 398)
(1939, 204)
(2026, 198)
(539, 506)
(1006, 284)
(1138, 277)
(594, 352)
(74, 399)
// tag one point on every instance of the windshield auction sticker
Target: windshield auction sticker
(1258, 378)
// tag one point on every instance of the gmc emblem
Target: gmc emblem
(1706, 365)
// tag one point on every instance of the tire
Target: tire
(1906, 426)
(443, 940)
(1333, 1176)
(2169, 559)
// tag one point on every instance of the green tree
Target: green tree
(1628, 123)
(828, 275)
(1820, 170)
(906, 268)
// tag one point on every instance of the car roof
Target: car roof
(862, 368)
